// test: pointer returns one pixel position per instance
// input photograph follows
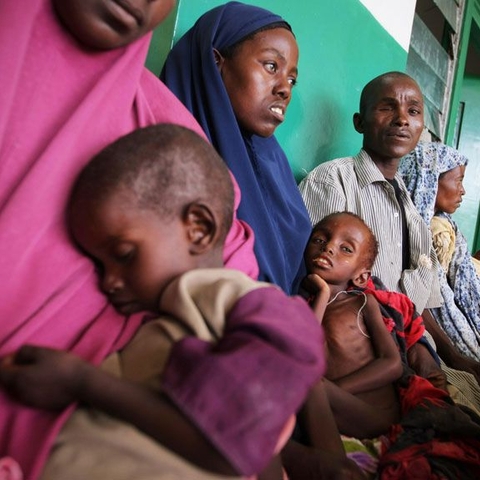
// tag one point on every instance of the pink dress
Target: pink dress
(59, 105)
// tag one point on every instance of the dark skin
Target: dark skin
(450, 190)
(259, 79)
(327, 459)
(360, 368)
(128, 245)
(357, 395)
(49, 379)
(449, 197)
(446, 350)
(107, 24)
(391, 122)
(107, 231)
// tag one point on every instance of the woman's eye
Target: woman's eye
(271, 67)
(292, 81)
(347, 249)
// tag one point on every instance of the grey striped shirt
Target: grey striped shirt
(357, 185)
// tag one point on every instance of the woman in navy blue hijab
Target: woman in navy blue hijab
(235, 70)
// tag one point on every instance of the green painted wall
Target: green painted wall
(467, 89)
(342, 47)
(161, 43)
(469, 145)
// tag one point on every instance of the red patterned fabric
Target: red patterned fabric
(435, 439)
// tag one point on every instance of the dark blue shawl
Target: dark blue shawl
(271, 203)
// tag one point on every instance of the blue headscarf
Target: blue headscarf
(271, 203)
(459, 316)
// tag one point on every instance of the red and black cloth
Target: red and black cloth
(435, 439)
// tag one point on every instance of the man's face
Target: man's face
(392, 118)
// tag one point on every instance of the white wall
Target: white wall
(396, 17)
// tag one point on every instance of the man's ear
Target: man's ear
(219, 59)
(361, 278)
(358, 122)
(201, 227)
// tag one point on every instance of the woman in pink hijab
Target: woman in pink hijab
(72, 80)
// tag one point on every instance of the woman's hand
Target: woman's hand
(424, 365)
(466, 364)
(42, 377)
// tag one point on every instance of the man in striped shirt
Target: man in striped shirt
(391, 121)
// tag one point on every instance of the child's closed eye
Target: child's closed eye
(123, 253)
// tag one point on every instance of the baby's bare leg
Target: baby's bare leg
(317, 415)
(326, 457)
(356, 418)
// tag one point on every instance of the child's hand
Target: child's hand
(319, 288)
(42, 377)
(315, 284)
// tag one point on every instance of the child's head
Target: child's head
(341, 250)
(106, 24)
(154, 204)
(391, 116)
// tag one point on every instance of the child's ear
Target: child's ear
(201, 227)
(361, 278)
(358, 122)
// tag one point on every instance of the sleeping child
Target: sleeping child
(215, 374)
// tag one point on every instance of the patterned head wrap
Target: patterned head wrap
(421, 170)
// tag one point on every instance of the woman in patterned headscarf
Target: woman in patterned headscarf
(433, 174)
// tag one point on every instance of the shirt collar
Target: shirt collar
(367, 172)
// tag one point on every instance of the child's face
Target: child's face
(136, 251)
(336, 250)
(450, 190)
(106, 24)
(259, 79)
(392, 121)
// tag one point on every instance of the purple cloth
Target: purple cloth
(241, 391)
(60, 104)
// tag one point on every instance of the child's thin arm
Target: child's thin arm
(51, 379)
(233, 391)
(386, 367)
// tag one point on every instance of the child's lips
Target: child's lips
(125, 307)
(322, 261)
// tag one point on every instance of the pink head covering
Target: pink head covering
(61, 104)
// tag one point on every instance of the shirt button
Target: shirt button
(395, 214)
(399, 244)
